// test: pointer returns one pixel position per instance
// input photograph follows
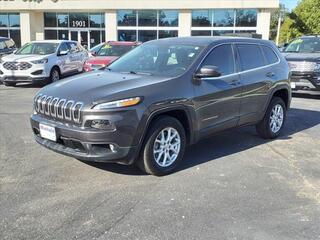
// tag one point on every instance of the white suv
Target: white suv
(42, 62)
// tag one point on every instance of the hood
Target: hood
(309, 57)
(102, 60)
(98, 86)
(23, 58)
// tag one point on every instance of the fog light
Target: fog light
(102, 124)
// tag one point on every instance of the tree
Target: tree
(303, 20)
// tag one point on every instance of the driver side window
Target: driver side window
(221, 57)
(63, 47)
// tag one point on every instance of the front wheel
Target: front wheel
(54, 75)
(164, 147)
(9, 84)
(274, 119)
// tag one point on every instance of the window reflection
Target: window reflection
(168, 18)
(223, 18)
(246, 18)
(63, 20)
(201, 18)
(127, 35)
(127, 18)
(147, 18)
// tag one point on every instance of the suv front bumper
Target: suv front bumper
(305, 80)
(37, 73)
(83, 143)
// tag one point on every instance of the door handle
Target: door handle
(270, 74)
(234, 82)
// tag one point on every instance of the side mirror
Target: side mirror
(94, 53)
(208, 71)
(62, 53)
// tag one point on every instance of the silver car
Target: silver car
(42, 62)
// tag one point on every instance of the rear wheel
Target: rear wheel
(164, 147)
(274, 119)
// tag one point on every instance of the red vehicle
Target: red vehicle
(109, 52)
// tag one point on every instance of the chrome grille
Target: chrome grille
(54, 107)
(17, 65)
(296, 66)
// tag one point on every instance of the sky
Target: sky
(290, 4)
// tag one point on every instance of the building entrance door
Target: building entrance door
(81, 36)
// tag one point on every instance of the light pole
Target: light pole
(281, 18)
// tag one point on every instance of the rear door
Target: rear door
(218, 98)
(256, 77)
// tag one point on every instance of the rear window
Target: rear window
(114, 50)
(269, 54)
(250, 56)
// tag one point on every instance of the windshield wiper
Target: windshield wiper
(139, 73)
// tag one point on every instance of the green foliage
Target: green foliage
(303, 20)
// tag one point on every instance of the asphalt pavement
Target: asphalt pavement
(231, 186)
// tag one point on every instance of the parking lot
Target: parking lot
(231, 186)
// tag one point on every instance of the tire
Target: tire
(54, 75)
(9, 84)
(265, 128)
(147, 161)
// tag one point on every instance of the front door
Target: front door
(218, 98)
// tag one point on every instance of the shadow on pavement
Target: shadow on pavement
(228, 142)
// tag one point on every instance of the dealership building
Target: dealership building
(95, 21)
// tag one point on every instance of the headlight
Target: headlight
(317, 67)
(118, 104)
(41, 61)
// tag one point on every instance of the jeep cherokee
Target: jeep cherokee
(162, 96)
(303, 56)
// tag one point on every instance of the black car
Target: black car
(303, 56)
(162, 96)
(7, 46)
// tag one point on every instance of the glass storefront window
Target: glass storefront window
(127, 18)
(15, 35)
(95, 20)
(4, 20)
(147, 18)
(127, 35)
(4, 33)
(147, 35)
(63, 34)
(63, 19)
(168, 18)
(79, 20)
(50, 19)
(168, 33)
(14, 20)
(200, 33)
(246, 18)
(222, 32)
(95, 38)
(223, 18)
(201, 18)
(50, 34)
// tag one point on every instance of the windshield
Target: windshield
(157, 59)
(114, 50)
(304, 45)
(38, 48)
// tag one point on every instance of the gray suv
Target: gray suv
(162, 96)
